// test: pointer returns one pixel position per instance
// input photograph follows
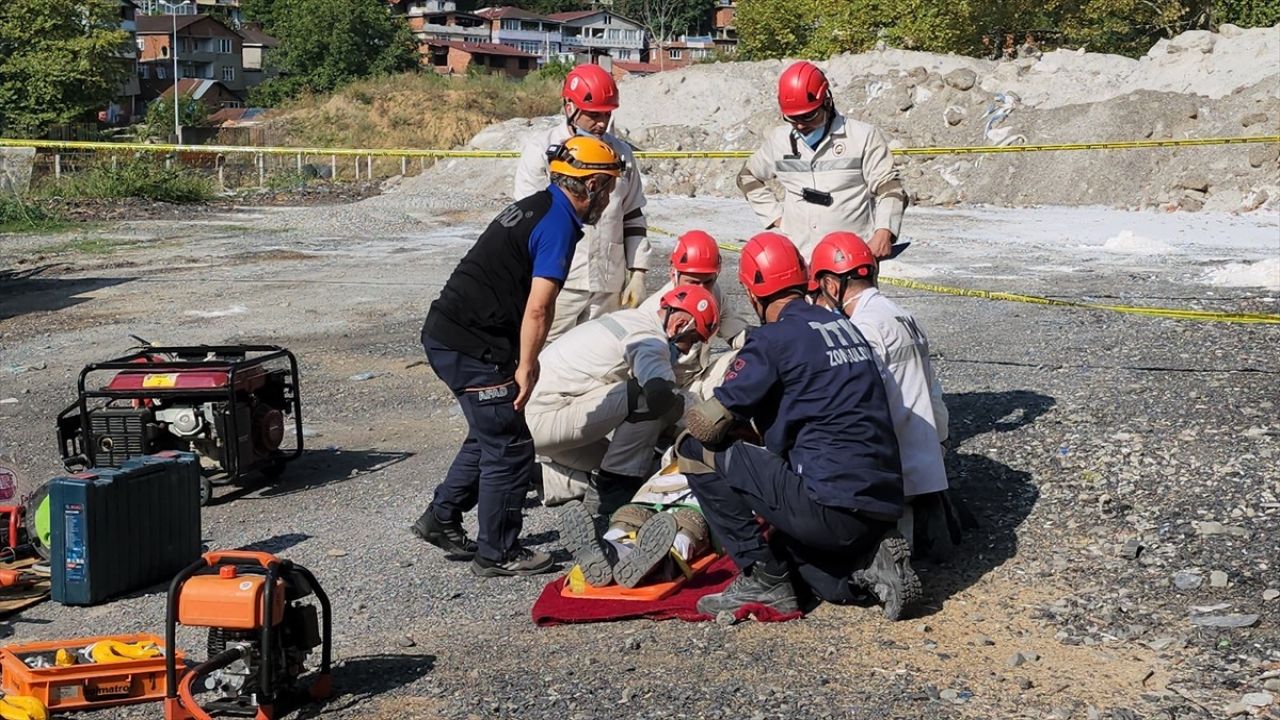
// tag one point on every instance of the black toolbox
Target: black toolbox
(117, 530)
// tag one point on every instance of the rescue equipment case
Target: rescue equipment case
(115, 530)
(84, 686)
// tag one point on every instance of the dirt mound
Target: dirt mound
(1196, 85)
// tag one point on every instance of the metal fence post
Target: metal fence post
(368, 167)
(299, 163)
(357, 167)
(333, 168)
(404, 165)
(57, 166)
(262, 170)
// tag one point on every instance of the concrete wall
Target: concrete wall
(15, 169)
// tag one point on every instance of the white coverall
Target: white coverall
(915, 397)
(852, 163)
(694, 367)
(578, 411)
(617, 243)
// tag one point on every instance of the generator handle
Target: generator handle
(239, 557)
(171, 626)
(326, 646)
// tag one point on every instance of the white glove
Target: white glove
(633, 294)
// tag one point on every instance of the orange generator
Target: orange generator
(263, 622)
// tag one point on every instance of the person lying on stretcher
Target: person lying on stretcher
(654, 538)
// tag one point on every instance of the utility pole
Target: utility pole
(173, 51)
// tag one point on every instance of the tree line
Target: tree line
(821, 28)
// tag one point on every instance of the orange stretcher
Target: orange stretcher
(577, 587)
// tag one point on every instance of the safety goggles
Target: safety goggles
(805, 118)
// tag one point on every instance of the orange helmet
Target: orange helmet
(583, 156)
(841, 253)
(698, 302)
(771, 264)
(696, 252)
(591, 88)
(802, 89)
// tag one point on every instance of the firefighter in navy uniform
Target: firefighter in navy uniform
(828, 479)
(482, 337)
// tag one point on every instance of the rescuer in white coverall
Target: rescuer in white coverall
(696, 261)
(611, 259)
(842, 278)
(836, 173)
(608, 390)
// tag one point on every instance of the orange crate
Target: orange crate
(87, 685)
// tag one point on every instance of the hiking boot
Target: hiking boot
(590, 552)
(891, 578)
(522, 561)
(755, 588)
(652, 546)
(448, 536)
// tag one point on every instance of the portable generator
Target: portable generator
(261, 614)
(231, 405)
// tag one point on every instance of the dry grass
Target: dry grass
(414, 110)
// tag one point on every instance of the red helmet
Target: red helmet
(699, 303)
(802, 88)
(591, 88)
(696, 252)
(771, 264)
(841, 253)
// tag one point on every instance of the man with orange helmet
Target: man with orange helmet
(842, 277)
(608, 389)
(836, 173)
(696, 261)
(827, 479)
(609, 264)
(482, 337)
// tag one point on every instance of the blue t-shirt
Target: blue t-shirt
(810, 384)
(553, 239)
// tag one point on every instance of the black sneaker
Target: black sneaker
(448, 536)
(652, 546)
(594, 555)
(891, 578)
(756, 588)
(521, 562)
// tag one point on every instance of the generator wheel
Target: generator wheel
(206, 491)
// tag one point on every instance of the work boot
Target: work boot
(448, 536)
(652, 546)
(756, 587)
(890, 577)
(595, 556)
(521, 561)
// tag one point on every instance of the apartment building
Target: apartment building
(524, 31)
(441, 20)
(602, 31)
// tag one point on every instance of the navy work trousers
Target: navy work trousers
(493, 470)
(821, 544)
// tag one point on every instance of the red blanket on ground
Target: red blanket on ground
(551, 608)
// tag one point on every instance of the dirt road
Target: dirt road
(1073, 433)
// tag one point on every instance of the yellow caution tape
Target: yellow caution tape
(642, 154)
(1172, 313)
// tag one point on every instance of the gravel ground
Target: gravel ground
(1123, 469)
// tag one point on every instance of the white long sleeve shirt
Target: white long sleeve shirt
(852, 163)
(915, 398)
(619, 241)
(734, 322)
(610, 349)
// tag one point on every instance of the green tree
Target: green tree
(327, 43)
(159, 121)
(260, 11)
(59, 61)
(668, 19)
